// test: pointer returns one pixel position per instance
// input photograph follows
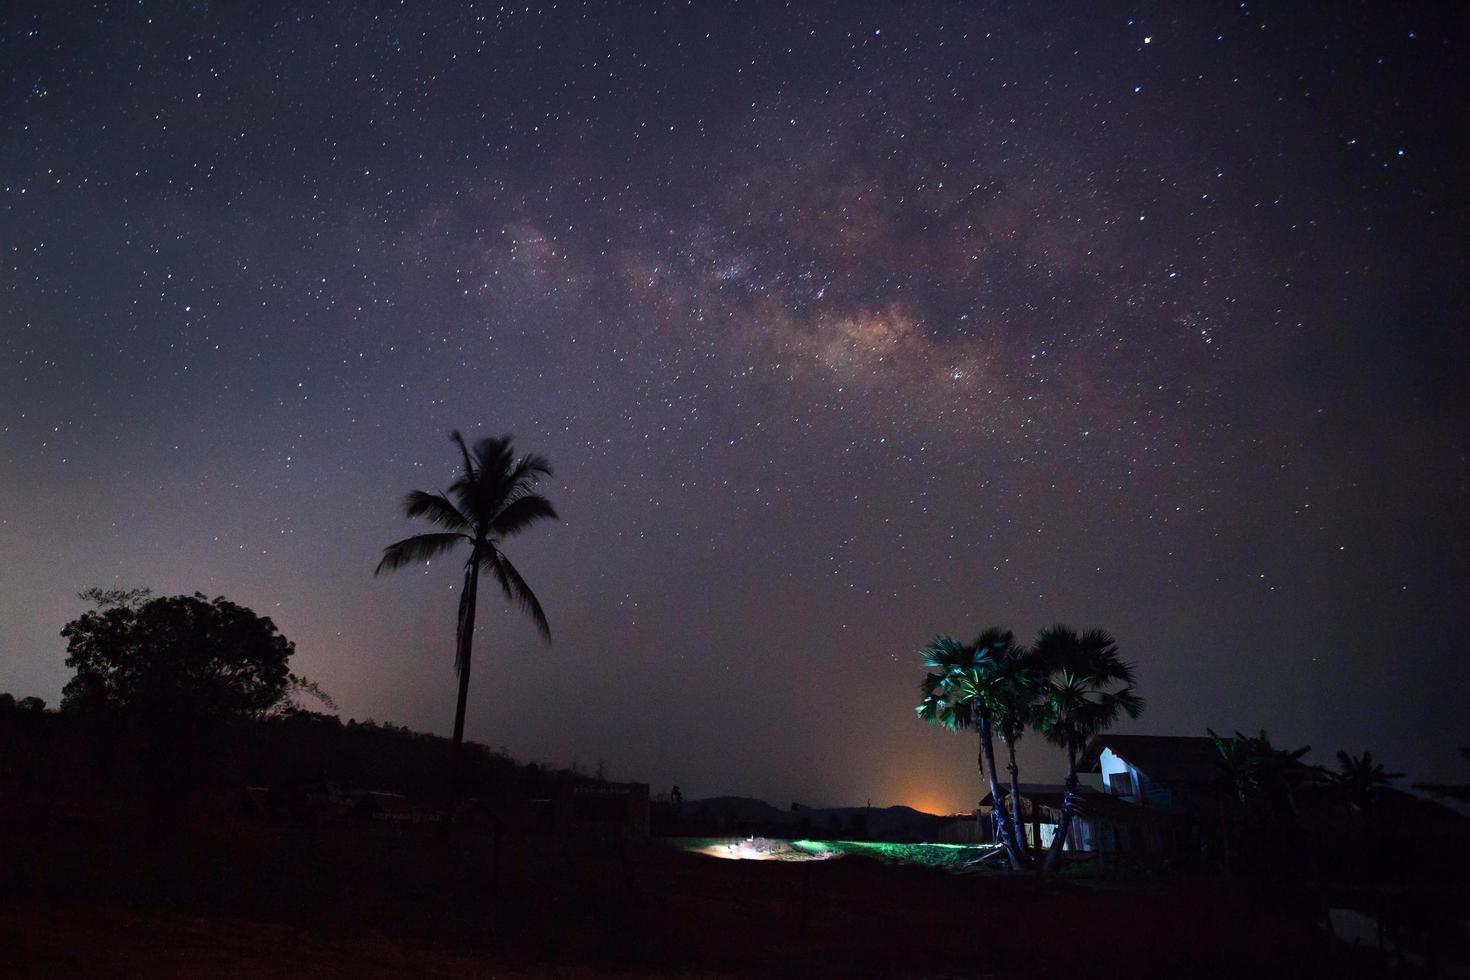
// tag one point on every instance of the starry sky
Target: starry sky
(842, 324)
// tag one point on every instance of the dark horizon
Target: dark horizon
(840, 327)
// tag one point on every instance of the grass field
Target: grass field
(952, 857)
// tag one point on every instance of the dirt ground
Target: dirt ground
(242, 899)
(64, 941)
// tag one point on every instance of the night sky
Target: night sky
(842, 325)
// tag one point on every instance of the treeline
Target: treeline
(179, 701)
(127, 761)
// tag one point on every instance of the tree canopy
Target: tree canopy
(176, 654)
(970, 687)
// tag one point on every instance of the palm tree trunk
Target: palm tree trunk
(1017, 826)
(466, 639)
(1069, 805)
(989, 773)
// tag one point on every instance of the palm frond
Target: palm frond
(531, 468)
(464, 452)
(515, 479)
(929, 708)
(1097, 655)
(945, 653)
(419, 548)
(494, 454)
(931, 685)
(491, 480)
(436, 508)
(1131, 704)
(994, 639)
(466, 494)
(517, 590)
(1057, 646)
(493, 458)
(521, 513)
(965, 714)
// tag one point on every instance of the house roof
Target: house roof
(1094, 804)
(1045, 792)
(1162, 758)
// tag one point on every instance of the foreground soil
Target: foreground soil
(49, 940)
(91, 897)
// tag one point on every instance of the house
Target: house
(1177, 776)
(1103, 822)
(1138, 793)
(592, 808)
(1160, 771)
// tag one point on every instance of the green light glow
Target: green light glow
(952, 856)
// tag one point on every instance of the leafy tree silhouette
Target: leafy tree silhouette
(177, 655)
(174, 671)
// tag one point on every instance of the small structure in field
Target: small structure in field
(1139, 793)
(585, 807)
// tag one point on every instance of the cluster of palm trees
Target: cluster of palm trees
(1270, 784)
(1267, 778)
(1262, 775)
(1068, 686)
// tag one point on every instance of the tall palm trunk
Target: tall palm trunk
(1069, 806)
(466, 638)
(1018, 827)
(989, 773)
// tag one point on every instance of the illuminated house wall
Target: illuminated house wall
(1126, 781)
(1118, 777)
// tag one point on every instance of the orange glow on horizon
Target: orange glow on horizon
(932, 804)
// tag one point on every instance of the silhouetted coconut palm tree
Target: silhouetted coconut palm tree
(957, 694)
(1087, 686)
(494, 498)
(1359, 781)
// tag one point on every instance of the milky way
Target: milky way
(842, 326)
